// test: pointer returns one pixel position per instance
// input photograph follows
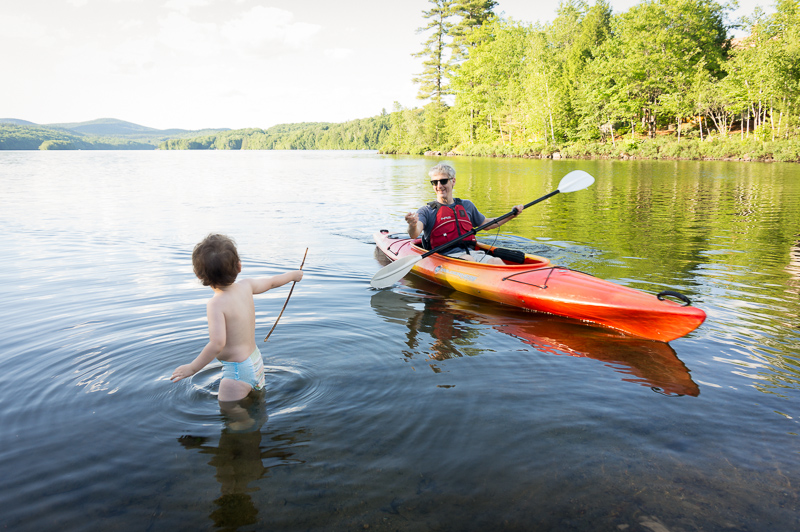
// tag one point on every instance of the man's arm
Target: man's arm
(415, 227)
(517, 211)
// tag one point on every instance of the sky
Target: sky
(195, 64)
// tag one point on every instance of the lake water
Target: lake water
(411, 408)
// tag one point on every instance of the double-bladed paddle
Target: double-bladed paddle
(390, 274)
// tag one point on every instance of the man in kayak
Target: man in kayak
(447, 218)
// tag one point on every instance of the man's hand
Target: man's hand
(414, 225)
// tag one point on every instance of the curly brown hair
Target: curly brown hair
(216, 261)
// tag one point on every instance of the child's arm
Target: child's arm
(215, 345)
(263, 284)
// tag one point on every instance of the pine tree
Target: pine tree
(473, 14)
(433, 80)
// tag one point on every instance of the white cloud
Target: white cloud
(130, 24)
(338, 53)
(134, 56)
(300, 34)
(194, 63)
(184, 6)
(22, 28)
(268, 25)
(108, 67)
(261, 32)
(81, 3)
(183, 35)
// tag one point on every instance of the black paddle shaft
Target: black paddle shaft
(474, 230)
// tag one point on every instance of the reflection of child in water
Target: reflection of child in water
(231, 319)
(240, 460)
(238, 464)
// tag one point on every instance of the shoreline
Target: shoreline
(628, 149)
(558, 156)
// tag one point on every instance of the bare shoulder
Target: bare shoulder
(216, 303)
(249, 284)
(242, 288)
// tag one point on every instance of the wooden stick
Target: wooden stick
(287, 299)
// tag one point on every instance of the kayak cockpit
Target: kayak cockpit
(511, 257)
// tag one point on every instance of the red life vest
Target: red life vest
(450, 223)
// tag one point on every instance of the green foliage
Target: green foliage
(591, 83)
(407, 133)
(437, 66)
(363, 134)
(489, 92)
(786, 151)
(472, 15)
(57, 145)
(30, 137)
(661, 147)
(18, 137)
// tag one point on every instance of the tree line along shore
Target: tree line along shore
(663, 80)
(372, 134)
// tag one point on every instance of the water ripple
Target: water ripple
(405, 408)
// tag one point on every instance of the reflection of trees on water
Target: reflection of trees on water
(766, 335)
(793, 269)
(781, 370)
(450, 322)
(242, 458)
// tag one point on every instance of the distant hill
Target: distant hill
(100, 134)
(113, 134)
(107, 127)
(16, 122)
(112, 127)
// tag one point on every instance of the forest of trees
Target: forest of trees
(99, 134)
(32, 137)
(664, 79)
(362, 134)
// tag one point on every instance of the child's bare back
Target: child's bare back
(233, 308)
(231, 318)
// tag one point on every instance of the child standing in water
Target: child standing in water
(231, 318)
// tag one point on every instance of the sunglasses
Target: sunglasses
(442, 182)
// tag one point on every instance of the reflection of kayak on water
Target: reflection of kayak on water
(646, 362)
(535, 284)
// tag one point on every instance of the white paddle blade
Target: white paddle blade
(575, 180)
(391, 273)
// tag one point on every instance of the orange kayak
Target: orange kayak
(540, 286)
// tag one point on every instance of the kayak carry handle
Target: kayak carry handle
(672, 293)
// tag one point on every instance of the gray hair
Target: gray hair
(443, 169)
